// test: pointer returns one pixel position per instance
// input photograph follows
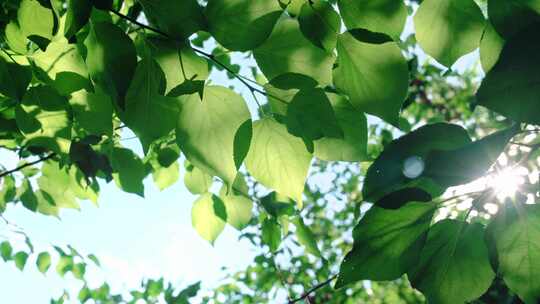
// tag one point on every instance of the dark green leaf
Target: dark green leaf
(129, 171)
(5, 251)
(387, 243)
(511, 88)
(320, 23)
(516, 231)
(20, 259)
(77, 15)
(111, 59)
(271, 234)
(454, 264)
(509, 17)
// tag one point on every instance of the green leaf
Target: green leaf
(288, 51)
(242, 25)
(196, 180)
(43, 118)
(448, 29)
(467, 163)
(129, 171)
(36, 22)
(306, 237)
(511, 88)
(509, 17)
(207, 217)
(27, 196)
(353, 145)
(320, 23)
(271, 234)
(277, 159)
(20, 259)
(388, 171)
(387, 243)
(209, 132)
(374, 76)
(277, 205)
(491, 46)
(8, 192)
(381, 16)
(65, 264)
(14, 79)
(454, 264)
(149, 114)
(238, 207)
(92, 112)
(43, 262)
(111, 59)
(178, 61)
(55, 182)
(78, 271)
(178, 19)
(5, 251)
(164, 177)
(310, 116)
(282, 89)
(15, 38)
(516, 231)
(64, 65)
(77, 15)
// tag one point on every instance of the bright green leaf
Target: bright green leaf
(164, 177)
(239, 208)
(490, 47)
(381, 16)
(196, 180)
(448, 29)
(206, 217)
(43, 262)
(36, 22)
(5, 251)
(20, 259)
(241, 25)
(277, 159)
(178, 19)
(288, 51)
(374, 76)
(210, 132)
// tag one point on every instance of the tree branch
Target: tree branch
(312, 290)
(241, 78)
(27, 164)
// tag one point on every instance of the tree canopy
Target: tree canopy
(367, 92)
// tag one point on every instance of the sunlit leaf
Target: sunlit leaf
(207, 218)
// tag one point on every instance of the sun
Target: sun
(506, 182)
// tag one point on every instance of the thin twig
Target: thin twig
(27, 164)
(312, 290)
